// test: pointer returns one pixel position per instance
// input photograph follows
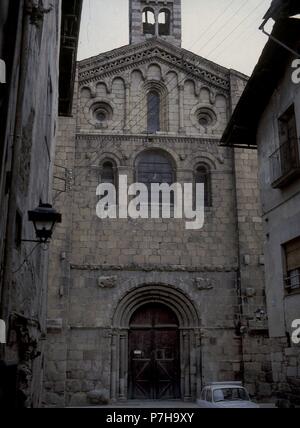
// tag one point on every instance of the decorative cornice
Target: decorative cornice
(154, 268)
(155, 41)
(130, 57)
(157, 139)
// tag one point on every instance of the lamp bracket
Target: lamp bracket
(283, 45)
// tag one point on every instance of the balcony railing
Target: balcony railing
(292, 282)
(285, 163)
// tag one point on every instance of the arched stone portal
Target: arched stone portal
(190, 361)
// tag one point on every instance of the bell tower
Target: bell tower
(154, 18)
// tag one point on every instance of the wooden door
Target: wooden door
(154, 354)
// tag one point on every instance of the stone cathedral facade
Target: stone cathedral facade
(145, 309)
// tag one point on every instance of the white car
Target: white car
(225, 395)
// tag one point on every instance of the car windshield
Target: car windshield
(230, 394)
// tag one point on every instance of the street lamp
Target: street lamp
(44, 219)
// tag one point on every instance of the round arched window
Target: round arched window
(108, 172)
(100, 116)
(164, 22)
(102, 113)
(202, 175)
(153, 101)
(206, 117)
(154, 167)
(148, 21)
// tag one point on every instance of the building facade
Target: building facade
(275, 129)
(144, 308)
(30, 42)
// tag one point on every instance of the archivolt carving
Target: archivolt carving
(166, 294)
(190, 337)
(173, 155)
(203, 157)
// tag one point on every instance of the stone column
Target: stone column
(114, 367)
(184, 176)
(126, 170)
(127, 107)
(156, 23)
(122, 191)
(198, 363)
(186, 357)
(123, 366)
(181, 109)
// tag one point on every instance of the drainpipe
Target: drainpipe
(16, 149)
(238, 275)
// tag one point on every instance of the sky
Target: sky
(224, 31)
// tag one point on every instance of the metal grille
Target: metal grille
(292, 280)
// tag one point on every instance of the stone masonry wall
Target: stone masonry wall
(29, 146)
(97, 263)
(256, 346)
(280, 211)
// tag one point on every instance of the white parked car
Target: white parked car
(225, 395)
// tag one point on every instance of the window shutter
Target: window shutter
(288, 127)
(293, 255)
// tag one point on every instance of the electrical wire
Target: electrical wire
(139, 103)
(235, 28)
(190, 74)
(247, 30)
(139, 118)
(211, 24)
(196, 41)
(26, 259)
(224, 25)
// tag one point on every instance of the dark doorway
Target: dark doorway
(154, 368)
(8, 387)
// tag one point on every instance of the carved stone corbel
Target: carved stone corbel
(212, 98)
(204, 284)
(107, 281)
